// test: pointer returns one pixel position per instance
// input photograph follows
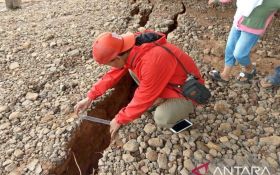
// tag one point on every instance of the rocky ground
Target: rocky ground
(46, 67)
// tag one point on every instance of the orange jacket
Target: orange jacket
(155, 68)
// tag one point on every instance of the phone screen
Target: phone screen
(181, 125)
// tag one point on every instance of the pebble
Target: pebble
(233, 136)
(4, 109)
(187, 153)
(162, 161)
(145, 169)
(128, 158)
(131, 146)
(201, 146)
(18, 153)
(271, 140)
(5, 126)
(31, 96)
(213, 152)
(14, 65)
(173, 169)
(241, 110)
(151, 155)
(225, 127)
(188, 164)
(261, 110)
(221, 107)
(74, 53)
(184, 172)
(272, 162)
(149, 128)
(224, 139)
(26, 45)
(14, 115)
(7, 162)
(269, 130)
(211, 145)
(198, 155)
(38, 169)
(32, 165)
(10, 167)
(155, 142)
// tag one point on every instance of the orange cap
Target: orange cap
(108, 45)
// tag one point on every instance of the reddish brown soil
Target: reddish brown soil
(90, 139)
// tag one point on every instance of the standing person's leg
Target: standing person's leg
(229, 56)
(230, 59)
(172, 110)
(242, 54)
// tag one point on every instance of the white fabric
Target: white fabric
(245, 8)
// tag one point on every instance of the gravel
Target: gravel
(46, 67)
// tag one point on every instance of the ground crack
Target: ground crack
(145, 15)
(144, 11)
(174, 26)
(90, 139)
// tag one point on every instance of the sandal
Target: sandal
(215, 75)
(270, 81)
(246, 76)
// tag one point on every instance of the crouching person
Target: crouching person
(151, 62)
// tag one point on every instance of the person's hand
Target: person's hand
(82, 105)
(211, 2)
(114, 127)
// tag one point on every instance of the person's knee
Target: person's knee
(162, 117)
(171, 111)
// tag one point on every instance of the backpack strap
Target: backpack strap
(171, 53)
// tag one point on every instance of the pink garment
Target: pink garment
(244, 28)
(238, 19)
(225, 1)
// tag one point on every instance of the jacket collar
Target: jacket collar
(138, 51)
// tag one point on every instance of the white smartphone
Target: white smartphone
(181, 126)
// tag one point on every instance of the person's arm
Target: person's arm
(99, 88)
(106, 82)
(155, 74)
